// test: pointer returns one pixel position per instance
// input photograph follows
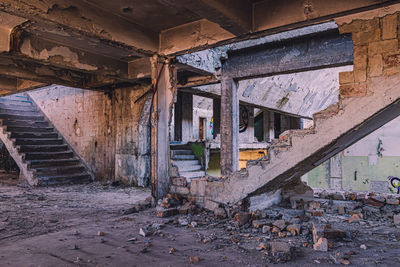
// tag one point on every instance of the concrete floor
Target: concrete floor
(59, 226)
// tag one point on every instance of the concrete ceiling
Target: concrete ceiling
(102, 43)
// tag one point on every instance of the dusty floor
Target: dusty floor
(60, 227)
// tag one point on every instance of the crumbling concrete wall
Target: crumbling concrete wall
(102, 129)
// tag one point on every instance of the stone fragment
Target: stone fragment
(220, 213)
(281, 250)
(344, 261)
(316, 213)
(321, 244)
(144, 231)
(341, 210)
(356, 217)
(172, 250)
(259, 223)
(281, 224)
(392, 201)
(266, 229)
(194, 260)
(262, 246)
(163, 213)
(396, 219)
(275, 230)
(294, 229)
(317, 232)
(242, 217)
(363, 247)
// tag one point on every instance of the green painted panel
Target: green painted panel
(319, 176)
(357, 173)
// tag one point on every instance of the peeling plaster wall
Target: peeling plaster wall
(132, 155)
(86, 121)
(103, 130)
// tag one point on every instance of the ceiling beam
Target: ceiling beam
(235, 16)
(192, 36)
(312, 52)
(288, 14)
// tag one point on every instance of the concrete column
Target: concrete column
(229, 125)
(216, 117)
(163, 100)
(250, 127)
(187, 117)
(269, 124)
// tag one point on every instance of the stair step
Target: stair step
(15, 102)
(38, 141)
(34, 135)
(181, 163)
(180, 147)
(191, 175)
(34, 164)
(18, 129)
(64, 179)
(43, 148)
(4, 111)
(183, 157)
(36, 117)
(25, 123)
(60, 170)
(5, 106)
(48, 155)
(181, 152)
(189, 168)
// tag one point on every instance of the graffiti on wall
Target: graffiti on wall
(395, 182)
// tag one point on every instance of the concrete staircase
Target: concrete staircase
(187, 163)
(43, 156)
(299, 151)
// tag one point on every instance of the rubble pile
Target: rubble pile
(327, 223)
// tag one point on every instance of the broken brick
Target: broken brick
(321, 244)
(259, 223)
(294, 229)
(281, 224)
(356, 217)
(242, 217)
(163, 213)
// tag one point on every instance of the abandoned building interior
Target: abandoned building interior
(199, 132)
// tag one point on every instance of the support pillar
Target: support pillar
(229, 125)
(161, 118)
(269, 124)
(216, 117)
(184, 117)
